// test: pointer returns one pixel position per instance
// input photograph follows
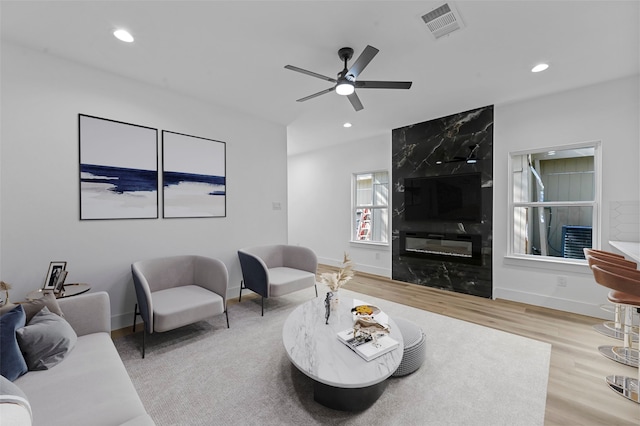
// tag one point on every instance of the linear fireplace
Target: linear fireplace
(461, 248)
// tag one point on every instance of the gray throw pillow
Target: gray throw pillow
(46, 340)
(32, 307)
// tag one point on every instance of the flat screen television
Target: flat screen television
(453, 198)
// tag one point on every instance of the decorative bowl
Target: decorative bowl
(365, 310)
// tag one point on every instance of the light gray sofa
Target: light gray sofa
(91, 385)
(276, 270)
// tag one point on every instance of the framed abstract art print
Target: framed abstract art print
(193, 176)
(118, 170)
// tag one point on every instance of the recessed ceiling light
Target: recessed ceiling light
(346, 125)
(540, 67)
(123, 35)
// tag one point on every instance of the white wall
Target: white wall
(320, 201)
(607, 112)
(319, 187)
(39, 193)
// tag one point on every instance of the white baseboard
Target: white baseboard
(546, 301)
(123, 321)
(374, 270)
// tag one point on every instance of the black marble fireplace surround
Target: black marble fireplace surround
(444, 252)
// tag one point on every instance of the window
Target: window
(554, 201)
(370, 211)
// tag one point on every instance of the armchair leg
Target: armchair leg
(241, 287)
(316, 286)
(144, 333)
(227, 314)
(135, 314)
(262, 305)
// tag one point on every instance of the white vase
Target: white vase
(335, 300)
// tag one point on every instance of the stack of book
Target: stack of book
(365, 346)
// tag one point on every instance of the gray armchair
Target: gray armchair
(275, 270)
(179, 290)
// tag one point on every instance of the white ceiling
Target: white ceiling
(234, 52)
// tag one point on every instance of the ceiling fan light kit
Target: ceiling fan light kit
(346, 81)
(345, 87)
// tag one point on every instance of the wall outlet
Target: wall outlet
(562, 281)
(276, 205)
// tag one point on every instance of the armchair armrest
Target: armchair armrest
(302, 258)
(143, 296)
(254, 273)
(87, 313)
(212, 274)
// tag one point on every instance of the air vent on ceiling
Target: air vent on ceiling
(443, 20)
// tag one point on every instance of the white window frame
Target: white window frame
(516, 258)
(354, 208)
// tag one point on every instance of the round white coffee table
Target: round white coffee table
(342, 379)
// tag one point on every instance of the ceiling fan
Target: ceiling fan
(347, 82)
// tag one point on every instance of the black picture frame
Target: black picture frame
(59, 285)
(118, 169)
(194, 177)
(55, 268)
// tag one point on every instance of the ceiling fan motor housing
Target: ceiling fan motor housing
(345, 54)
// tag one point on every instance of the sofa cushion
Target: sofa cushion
(32, 307)
(286, 280)
(179, 306)
(46, 340)
(91, 387)
(12, 363)
(14, 406)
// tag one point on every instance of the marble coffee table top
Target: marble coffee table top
(312, 346)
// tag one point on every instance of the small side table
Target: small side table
(69, 290)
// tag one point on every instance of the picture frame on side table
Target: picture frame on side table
(193, 176)
(59, 286)
(55, 268)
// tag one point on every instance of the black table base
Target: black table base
(347, 399)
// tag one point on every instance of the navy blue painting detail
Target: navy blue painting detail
(122, 179)
(176, 178)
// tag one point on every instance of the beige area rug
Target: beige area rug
(206, 374)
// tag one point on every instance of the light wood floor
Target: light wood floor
(577, 393)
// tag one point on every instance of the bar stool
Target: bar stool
(627, 282)
(613, 328)
(595, 252)
(624, 354)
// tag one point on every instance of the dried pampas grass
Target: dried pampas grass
(335, 280)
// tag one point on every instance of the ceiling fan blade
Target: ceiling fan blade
(355, 101)
(315, 95)
(383, 84)
(311, 73)
(363, 60)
